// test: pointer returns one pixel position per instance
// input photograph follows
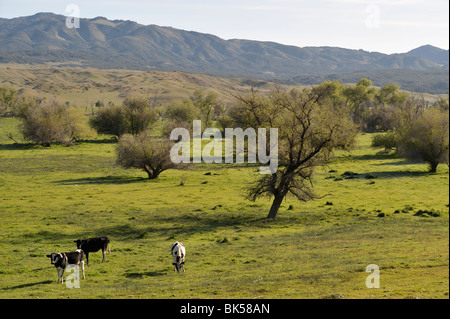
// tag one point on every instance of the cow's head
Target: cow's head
(79, 243)
(178, 254)
(54, 258)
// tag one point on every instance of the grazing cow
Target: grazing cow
(92, 245)
(62, 260)
(178, 254)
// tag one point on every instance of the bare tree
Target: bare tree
(311, 123)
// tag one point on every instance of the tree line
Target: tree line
(312, 123)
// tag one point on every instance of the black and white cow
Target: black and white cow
(92, 245)
(179, 255)
(62, 260)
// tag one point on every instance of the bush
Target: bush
(145, 152)
(182, 111)
(8, 100)
(51, 123)
(427, 137)
(110, 120)
(133, 116)
(386, 140)
(139, 116)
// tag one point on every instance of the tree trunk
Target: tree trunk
(152, 173)
(275, 206)
(433, 166)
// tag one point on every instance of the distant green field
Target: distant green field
(320, 249)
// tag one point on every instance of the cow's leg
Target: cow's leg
(62, 274)
(82, 268)
(104, 255)
(87, 258)
(59, 274)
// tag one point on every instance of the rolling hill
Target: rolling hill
(116, 44)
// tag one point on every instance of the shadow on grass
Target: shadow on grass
(100, 141)
(102, 180)
(372, 157)
(190, 224)
(16, 147)
(45, 235)
(396, 174)
(139, 275)
(45, 282)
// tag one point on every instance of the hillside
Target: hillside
(431, 53)
(101, 43)
(86, 86)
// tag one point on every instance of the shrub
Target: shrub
(139, 116)
(110, 120)
(8, 100)
(133, 116)
(427, 137)
(145, 152)
(47, 123)
(386, 140)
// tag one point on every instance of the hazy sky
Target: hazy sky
(388, 26)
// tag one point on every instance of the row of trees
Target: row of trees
(136, 115)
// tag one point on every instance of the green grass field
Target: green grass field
(49, 197)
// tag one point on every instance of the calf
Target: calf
(92, 245)
(178, 254)
(62, 260)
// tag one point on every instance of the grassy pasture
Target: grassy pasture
(320, 249)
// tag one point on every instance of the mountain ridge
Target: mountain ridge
(124, 44)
